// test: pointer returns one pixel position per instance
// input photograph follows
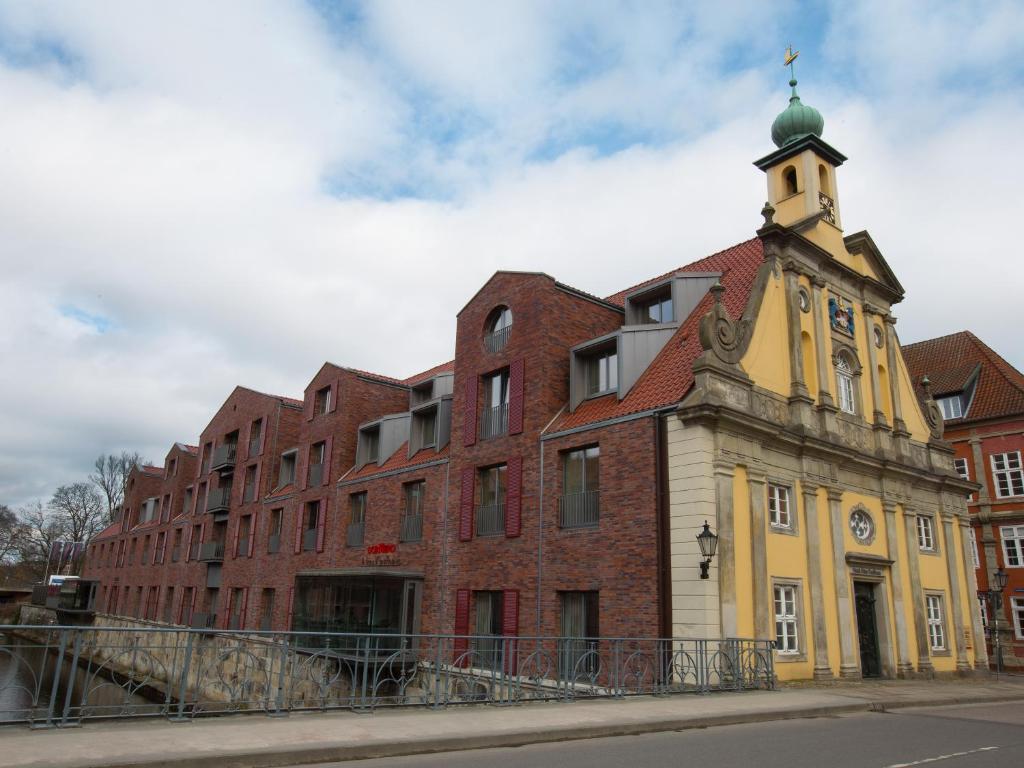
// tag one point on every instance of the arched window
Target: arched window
(823, 180)
(789, 179)
(844, 384)
(499, 322)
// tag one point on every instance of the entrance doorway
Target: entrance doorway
(867, 629)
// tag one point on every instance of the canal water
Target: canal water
(27, 674)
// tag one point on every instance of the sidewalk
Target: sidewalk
(258, 741)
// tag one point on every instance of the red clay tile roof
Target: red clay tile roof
(670, 376)
(110, 530)
(950, 361)
(448, 367)
(400, 459)
(151, 470)
(377, 376)
(193, 449)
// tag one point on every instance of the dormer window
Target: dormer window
(658, 310)
(369, 445)
(602, 372)
(952, 407)
(427, 428)
(322, 401)
(498, 325)
(287, 474)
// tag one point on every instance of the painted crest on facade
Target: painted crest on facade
(861, 525)
(840, 315)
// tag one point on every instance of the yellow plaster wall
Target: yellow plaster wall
(787, 559)
(908, 593)
(911, 408)
(744, 557)
(968, 601)
(767, 357)
(935, 577)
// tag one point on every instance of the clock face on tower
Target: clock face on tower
(862, 526)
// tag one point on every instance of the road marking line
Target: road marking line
(941, 757)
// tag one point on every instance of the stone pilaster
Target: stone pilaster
(726, 555)
(760, 587)
(878, 417)
(812, 535)
(821, 345)
(924, 654)
(904, 667)
(848, 666)
(955, 601)
(800, 400)
(898, 424)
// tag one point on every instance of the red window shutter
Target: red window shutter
(335, 389)
(264, 428)
(321, 526)
(298, 528)
(510, 613)
(234, 540)
(328, 447)
(291, 607)
(252, 534)
(302, 469)
(514, 497)
(466, 504)
(469, 414)
(461, 643)
(245, 606)
(516, 388)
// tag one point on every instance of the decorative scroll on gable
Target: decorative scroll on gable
(726, 337)
(932, 412)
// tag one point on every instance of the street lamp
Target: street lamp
(994, 596)
(708, 544)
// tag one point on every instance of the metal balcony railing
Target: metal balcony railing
(494, 421)
(274, 543)
(224, 457)
(412, 528)
(212, 552)
(496, 341)
(316, 474)
(218, 500)
(354, 534)
(309, 539)
(490, 520)
(579, 510)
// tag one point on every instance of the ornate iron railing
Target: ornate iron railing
(64, 675)
(579, 510)
(494, 421)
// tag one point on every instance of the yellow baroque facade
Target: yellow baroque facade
(843, 529)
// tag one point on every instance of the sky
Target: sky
(195, 195)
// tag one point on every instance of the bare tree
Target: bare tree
(11, 534)
(79, 508)
(111, 477)
(41, 528)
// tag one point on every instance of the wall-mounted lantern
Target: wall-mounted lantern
(708, 544)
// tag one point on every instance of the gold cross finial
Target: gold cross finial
(789, 59)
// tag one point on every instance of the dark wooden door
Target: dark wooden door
(867, 629)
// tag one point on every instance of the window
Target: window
(255, 435)
(960, 465)
(489, 608)
(236, 609)
(936, 629)
(317, 455)
(357, 520)
(311, 523)
(490, 513)
(925, 533)
(131, 552)
(786, 637)
(1017, 609)
(658, 310)
(577, 652)
(185, 613)
(1013, 545)
(844, 385)
(322, 401)
(974, 547)
(498, 326)
(267, 610)
(287, 473)
(145, 551)
(168, 616)
(369, 445)
(412, 516)
(951, 407)
(274, 530)
(428, 428)
(244, 532)
(494, 420)
(602, 373)
(249, 489)
(1007, 473)
(172, 467)
(789, 180)
(579, 505)
(778, 506)
(176, 545)
(983, 610)
(207, 455)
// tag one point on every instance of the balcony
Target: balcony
(274, 543)
(354, 534)
(412, 528)
(579, 510)
(494, 421)
(309, 539)
(219, 500)
(224, 458)
(316, 474)
(211, 552)
(495, 342)
(490, 520)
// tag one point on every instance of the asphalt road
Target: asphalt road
(975, 736)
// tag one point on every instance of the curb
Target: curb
(326, 753)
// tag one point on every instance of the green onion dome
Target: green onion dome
(796, 121)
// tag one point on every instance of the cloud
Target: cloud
(202, 195)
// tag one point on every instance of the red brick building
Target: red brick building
(982, 401)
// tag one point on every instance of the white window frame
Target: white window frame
(1017, 615)
(983, 610)
(785, 601)
(926, 534)
(1012, 538)
(962, 468)
(1006, 468)
(974, 547)
(935, 613)
(844, 386)
(780, 513)
(952, 407)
